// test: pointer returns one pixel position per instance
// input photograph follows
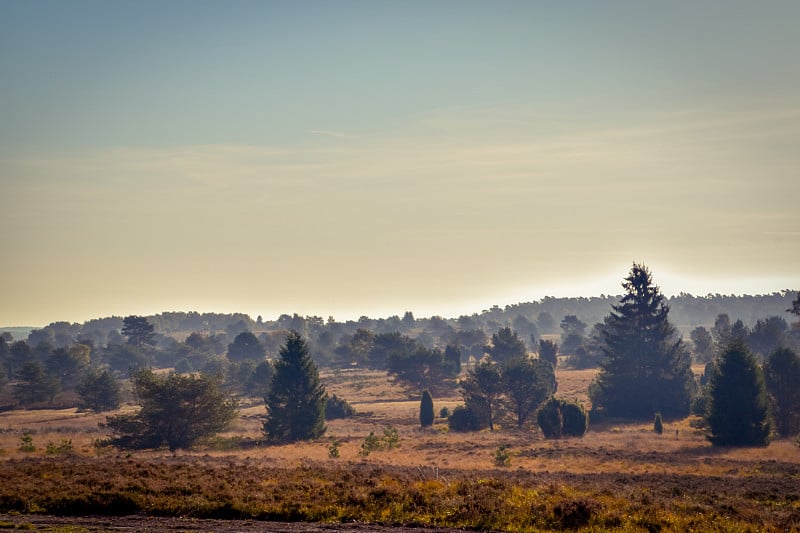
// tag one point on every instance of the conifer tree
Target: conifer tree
(296, 400)
(426, 409)
(646, 367)
(739, 410)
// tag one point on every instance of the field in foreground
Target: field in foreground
(618, 477)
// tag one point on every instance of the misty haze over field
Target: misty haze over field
(349, 158)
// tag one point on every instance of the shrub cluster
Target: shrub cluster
(561, 418)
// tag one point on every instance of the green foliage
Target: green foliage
(550, 419)
(575, 419)
(472, 417)
(62, 448)
(444, 412)
(67, 365)
(422, 368)
(506, 345)
(372, 443)
(336, 407)
(452, 359)
(246, 346)
(527, 383)
(26, 442)
(391, 439)
(658, 424)
(333, 450)
(250, 377)
(482, 391)
(561, 418)
(176, 411)
(34, 385)
(703, 344)
(739, 410)
(502, 457)
(139, 332)
(296, 400)
(426, 415)
(782, 377)
(548, 351)
(646, 366)
(99, 391)
(572, 334)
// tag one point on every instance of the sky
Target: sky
(348, 158)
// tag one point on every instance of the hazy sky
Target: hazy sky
(347, 158)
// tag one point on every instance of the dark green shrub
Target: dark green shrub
(575, 420)
(658, 424)
(465, 418)
(444, 413)
(550, 419)
(336, 407)
(426, 415)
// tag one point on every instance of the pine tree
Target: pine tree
(782, 377)
(296, 400)
(426, 409)
(646, 367)
(739, 411)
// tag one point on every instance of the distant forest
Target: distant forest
(530, 320)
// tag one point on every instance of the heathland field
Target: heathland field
(618, 477)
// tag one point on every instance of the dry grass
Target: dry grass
(603, 474)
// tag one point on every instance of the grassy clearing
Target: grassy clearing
(618, 477)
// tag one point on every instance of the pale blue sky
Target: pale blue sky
(353, 158)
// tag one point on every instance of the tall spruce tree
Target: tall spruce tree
(296, 400)
(739, 410)
(646, 368)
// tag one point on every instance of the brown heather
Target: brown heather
(617, 478)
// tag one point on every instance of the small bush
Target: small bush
(658, 424)
(444, 412)
(560, 418)
(26, 442)
(371, 443)
(333, 450)
(550, 419)
(336, 407)
(62, 448)
(502, 457)
(465, 418)
(575, 419)
(391, 439)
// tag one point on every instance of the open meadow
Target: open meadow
(617, 477)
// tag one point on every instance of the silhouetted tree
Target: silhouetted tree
(572, 335)
(646, 366)
(506, 345)
(739, 410)
(176, 411)
(68, 365)
(139, 332)
(768, 335)
(452, 359)
(782, 377)
(526, 384)
(99, 391)
(548, 351)
(426, 414)
(482, 390)
(703, 344)
(246, 346)
(34, 385)
(296, 400)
